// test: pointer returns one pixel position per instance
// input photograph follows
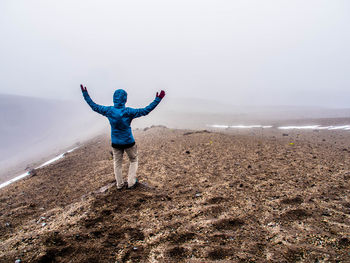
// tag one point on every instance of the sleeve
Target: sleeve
(104, 110)
(135, 113)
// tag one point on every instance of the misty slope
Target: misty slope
(25, 119)
(31, 127)
(266, 112)
(209, 197)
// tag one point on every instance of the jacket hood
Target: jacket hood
(119, 98)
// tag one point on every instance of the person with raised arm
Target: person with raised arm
(120, 118)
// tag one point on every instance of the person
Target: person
(120, 118)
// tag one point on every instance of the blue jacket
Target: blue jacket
(119, 116)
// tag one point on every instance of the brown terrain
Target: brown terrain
(272, 196)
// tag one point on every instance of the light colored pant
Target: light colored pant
(118, 161)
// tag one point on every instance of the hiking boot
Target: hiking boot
(121, 186)
(134, 185)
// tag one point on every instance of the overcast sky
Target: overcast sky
(277, 52)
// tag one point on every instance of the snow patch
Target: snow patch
(40, 166)
(302, 127)
(315, 127)
(239, 126)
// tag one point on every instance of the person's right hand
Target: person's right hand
(161, 94)
(82, 88)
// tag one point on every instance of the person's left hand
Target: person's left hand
(83, 88)
(161, 94)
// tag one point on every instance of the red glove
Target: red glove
(161, 95)
(82, 88)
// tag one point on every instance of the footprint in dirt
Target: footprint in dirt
(179, 238)
(134, 234)
(177, 253)
(292, 201)
(113, 238)
(296, 214)
(135, 254)
(346, 205)
(54, 239)
(214, 211)
(51, 253)
(215, 200)
(96, 233)
(229, 224)
(220, 238)
(90, 222)
(219, 253)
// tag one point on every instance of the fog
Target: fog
(225, 62)
(248, 52)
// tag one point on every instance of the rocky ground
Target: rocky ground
(205, 196)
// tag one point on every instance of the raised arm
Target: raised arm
(135, 113)
(95, 107)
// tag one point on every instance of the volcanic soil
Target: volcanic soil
(204, 196)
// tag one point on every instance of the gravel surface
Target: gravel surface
(204, 196)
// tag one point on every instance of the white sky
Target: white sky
(272, 52)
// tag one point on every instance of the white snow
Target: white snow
(315, 127)
(344, 127)
(52, 160)
(40, 166)
(301, 127)
(306, 127)
(14, 180)
(239, 126)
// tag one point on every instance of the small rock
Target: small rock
(135, 248)
(18, 261)
(188, 152)
(43, 224)
(285, 134)
(326, 213)
(105, 188)
(7, 224)
(344, 242)
(198, 195)
(41, 219)
(249, 166)
(32, 172)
